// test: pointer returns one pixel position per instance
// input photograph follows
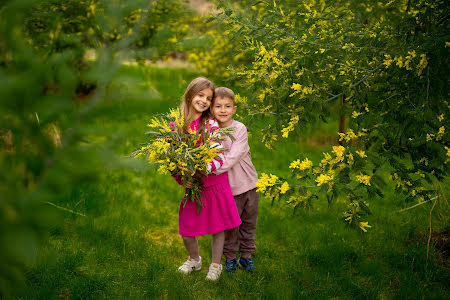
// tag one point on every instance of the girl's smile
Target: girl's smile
(202, 101)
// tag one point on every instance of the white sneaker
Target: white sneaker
(190, 265)
(214, 272)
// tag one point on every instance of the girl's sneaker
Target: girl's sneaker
(214, 272)
(190, 265)
(247, 264)
(231, 266)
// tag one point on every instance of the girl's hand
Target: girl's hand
(188, 184)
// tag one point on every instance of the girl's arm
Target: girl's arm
(238, 149)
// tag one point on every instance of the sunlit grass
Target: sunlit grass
(128, 245)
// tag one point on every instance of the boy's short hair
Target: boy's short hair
(223, 92)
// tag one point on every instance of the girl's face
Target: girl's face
(202, 101)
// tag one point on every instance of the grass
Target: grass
(128, 245)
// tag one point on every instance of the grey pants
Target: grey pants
(243, 237)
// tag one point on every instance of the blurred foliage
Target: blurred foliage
(384, 63)
(57, 59)
(56, 26)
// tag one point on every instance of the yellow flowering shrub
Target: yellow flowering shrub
(385, 61)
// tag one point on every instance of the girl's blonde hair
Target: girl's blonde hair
(194, 87)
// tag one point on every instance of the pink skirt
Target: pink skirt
(219, 210)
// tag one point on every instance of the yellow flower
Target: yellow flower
(339, 151)
(350, 159)
(294, 120)
(361, 153)
(162, 169)
(284, 187)
(240, 99)
(424, 160)
(326, 159)
(440, 133)
(305, 164)
(295, 164)
(441, 117)
(296, 87)
(355, 114)
(364, 225)
(430, 137)
(399, 61)
(347, 136)
(422, 64)
(364, 179)
(269, 139)
(296, 200)
(172, 166)
(323, 178)
(388, 60)
(363, 132)
(265, 181)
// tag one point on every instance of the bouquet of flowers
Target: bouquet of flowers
(187, 156)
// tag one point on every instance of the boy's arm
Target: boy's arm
(238, 149)
(217, 162)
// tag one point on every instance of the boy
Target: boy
(242, 177)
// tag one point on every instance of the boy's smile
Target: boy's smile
(223, 110)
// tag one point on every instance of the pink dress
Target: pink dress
(219, 210)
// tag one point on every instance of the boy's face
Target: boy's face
(223, 110)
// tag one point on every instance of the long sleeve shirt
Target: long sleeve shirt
(242, 175)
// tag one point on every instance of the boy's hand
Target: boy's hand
(188, 184)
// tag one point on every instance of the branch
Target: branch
(353, 67)
(356, 83)
(326, 100)
(418, 204)
(274, 113)
(65, 209)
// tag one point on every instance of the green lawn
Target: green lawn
(127, 245)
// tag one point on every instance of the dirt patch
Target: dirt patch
(441, 242)
(203, 7)
(319, 142)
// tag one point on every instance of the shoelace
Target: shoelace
(230, 264)
(215, 271)
(249, 263)
(188, 264)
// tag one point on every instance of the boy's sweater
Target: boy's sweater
(242, 174)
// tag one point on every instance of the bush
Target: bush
(386, 64)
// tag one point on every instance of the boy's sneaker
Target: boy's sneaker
(214, 272)
(190, 265)
(247, 264)
(231, 266)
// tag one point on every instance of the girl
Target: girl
(219, 211)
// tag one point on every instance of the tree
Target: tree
(387, 60)
(45, 151)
